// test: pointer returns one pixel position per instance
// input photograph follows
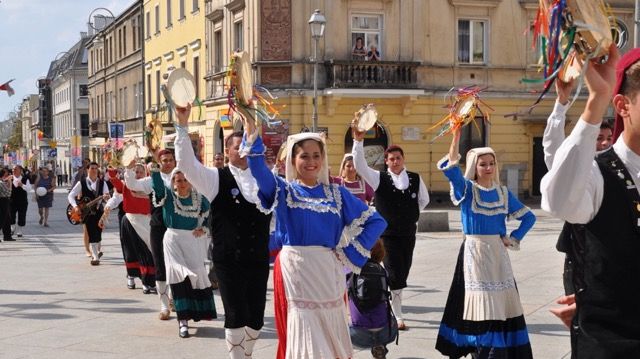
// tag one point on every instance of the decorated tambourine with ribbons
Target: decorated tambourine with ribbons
(464, 108)
(132, 151)
(180, 89)
(251, 102)
(366, 118)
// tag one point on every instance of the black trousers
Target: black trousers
(94, 231)
(243, 288)
(157, 250)
(398, 258)
(19, 208)
(5, 217)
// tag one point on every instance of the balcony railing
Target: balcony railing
(363, 74)
(98, 129)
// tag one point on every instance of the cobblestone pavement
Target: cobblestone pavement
(53, 304)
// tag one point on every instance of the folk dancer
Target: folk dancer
(312, 217)
(483, 314)
(603, 209)
(240, 232)
(400, 195)
(88, 189)
(5, 204)
(156, 224)
(184, 213)
(350, 179)
(19, 200)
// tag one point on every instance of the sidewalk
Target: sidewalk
(53, 304)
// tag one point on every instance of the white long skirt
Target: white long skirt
(140, 223)
(314, 284)
(184, 257)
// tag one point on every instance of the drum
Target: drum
(366, 118)
(241, 78)
(180, 88)
(593, 27)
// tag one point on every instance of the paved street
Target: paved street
(53, 304)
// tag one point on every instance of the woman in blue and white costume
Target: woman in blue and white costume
(312, 216)
(483, 315)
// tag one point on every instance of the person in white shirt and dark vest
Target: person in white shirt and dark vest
(86, 190)
(400, 195)
(19, 201)
(5, 204)
(602, 207)
(240, 232)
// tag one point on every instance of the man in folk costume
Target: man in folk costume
(399, 197)
(157, 226)
(135, 233)
(240, 231)
(19, 201)
(88, 189)
(5, 204)
(603, 209)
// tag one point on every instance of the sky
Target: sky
(33, 32)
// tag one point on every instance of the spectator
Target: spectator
(359, 52)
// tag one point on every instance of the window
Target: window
(183, 64)
(195, 6)
(148, 25)
(217, 38)
(111, 47)
(83, 90)
(181, 10)
(84, 125)
(125, 102)
(366, 31)
(149, 90)
(124, 41)
(196, 75)
(158, 88)
(237, 36)
(139, 99)
(169, 13)
(470, 137)
(134, 30)
(119, 43)
(157, 19)
(471, 41)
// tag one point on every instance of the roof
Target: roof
(74, 58)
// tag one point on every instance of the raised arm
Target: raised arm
(371, 176)
(117, 182)
(139, 185)
(205, 180)
(449, 165)
(253, 147)
(554, 131)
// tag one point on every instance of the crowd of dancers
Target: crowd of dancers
(320, 227)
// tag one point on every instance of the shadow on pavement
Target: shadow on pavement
(421, 310)
(28, 292)
(556, 330)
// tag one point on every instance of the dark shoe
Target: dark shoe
(9, 239)
(184, 332)
(145, 289)
(153, 290)
(46, 224)
(95, 262)
(19, 235)
(379, 352)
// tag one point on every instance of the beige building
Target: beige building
(425, 49)
(28, 107)
(116, 87)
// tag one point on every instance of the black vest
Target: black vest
(239, 230)
(398, 207)
(606, 272)
(88, 193)
(18, 194)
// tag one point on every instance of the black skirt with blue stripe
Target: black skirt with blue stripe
(496, 339)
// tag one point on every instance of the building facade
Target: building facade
(28, 107)
(425, 48)
(115, 81)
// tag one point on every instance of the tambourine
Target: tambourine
(366, 118)
(241, 77)
(180, 89)
(592, 25)
(570, 69)
(131, 151)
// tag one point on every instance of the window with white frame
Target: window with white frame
(472, 35)
(366, 31)
(238, 43)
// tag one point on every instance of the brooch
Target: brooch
(235, 192)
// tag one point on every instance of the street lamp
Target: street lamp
(317, 22)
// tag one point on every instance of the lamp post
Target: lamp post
(317, 22)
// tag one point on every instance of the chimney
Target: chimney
(83, 34)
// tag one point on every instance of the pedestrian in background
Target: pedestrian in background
(5, 203)
(44, 199)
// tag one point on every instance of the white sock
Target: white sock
(183, 323)
(19, 230)
(396, 303)
(250, 338)
(163, 293)
(94, 251)
(235, 342)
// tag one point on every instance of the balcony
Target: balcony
(98, 129)
(371, 75)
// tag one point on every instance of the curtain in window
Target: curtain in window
(463, 40)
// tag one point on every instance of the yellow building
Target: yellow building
(426, 48)
(173, 38)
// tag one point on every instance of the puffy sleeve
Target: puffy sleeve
(269, 185)
(362, 226)
(459, 184)
(519, 211)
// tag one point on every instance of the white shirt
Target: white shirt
(573, 189)
(114, 201)
(77, 190)
(144, 185)
(17, 180)
(554, 132)
(372, 177)
(206, 180)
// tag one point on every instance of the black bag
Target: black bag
(369, 288)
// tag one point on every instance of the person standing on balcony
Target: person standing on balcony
(359, 52)
(399, 197)
(373, 54)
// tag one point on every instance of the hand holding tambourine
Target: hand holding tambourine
(355, 132)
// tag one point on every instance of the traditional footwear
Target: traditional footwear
(184, 331)
(131, 283)
(153, 290)
(146, 289)
(164, 315)
(95, 262)
(379, 352)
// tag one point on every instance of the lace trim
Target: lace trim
(475, 203)
(259, 205)
(154, 199)
(490, 205)
(361, 189)
(453, 196)
(342, 257)
(312, 304)
(519, 213)
(322, 206)
(353, 230)
(487, 286)
(450, 164)
(191, 211)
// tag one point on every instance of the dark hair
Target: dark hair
(298, 145)
(606, 124)
(227, 140)
(359, 38)
(377, 251)
(165, 152)
(393, 148)
(631, 81)
(93, 163)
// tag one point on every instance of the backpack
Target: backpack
(369, 288)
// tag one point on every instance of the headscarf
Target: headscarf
(623, 65)
(347, 156)
(290, 170)
(472, 162)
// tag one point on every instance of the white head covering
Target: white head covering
(472, 162)
(291, 173)
(347, 155)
